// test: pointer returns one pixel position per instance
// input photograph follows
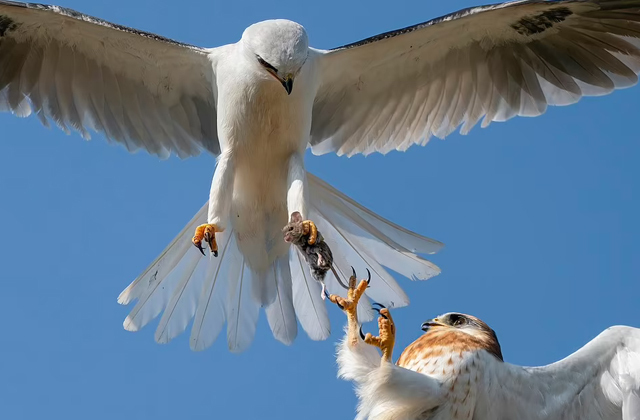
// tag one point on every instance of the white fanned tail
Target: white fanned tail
(212, 291)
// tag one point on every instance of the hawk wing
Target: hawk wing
(399, 88)
(139, 89)
(601, 381)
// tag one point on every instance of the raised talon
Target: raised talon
(350, 303)
(206, 232)
(386, 340)
(309, 228)
(368, 276)
(350, 306)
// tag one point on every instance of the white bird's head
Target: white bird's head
(280, 47)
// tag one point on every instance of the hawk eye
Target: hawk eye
(457, 320)
(266, 65)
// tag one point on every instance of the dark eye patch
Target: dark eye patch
(457, 320)
(265, 64)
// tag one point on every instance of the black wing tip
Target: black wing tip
(453, 16)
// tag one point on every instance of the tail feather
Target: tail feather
(281, 314)
(210, 313)
(156, 296)
(184, 300)
(263, 288)
(213, 291)
(165, 262)
(308, 303)
(386, 231)
(182, 305)
(242, 310)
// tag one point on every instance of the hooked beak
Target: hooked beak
(287, 82)
(435, 322)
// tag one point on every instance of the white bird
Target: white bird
(455, 371)
(259, 103)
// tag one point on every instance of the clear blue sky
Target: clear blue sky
(540, 217)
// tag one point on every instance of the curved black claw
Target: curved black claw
(340, 306)
(200, 248)
(368, 277)
(209, 239)
(354, 271)
(378, 310)
(326, 294)
(361, 333)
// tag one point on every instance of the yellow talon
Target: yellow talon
(350, 304)
(309, 228)
(387, 338)
(208, 233)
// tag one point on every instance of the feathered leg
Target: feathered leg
(297, 195)
(220, 198)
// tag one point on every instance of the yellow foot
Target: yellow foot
(387, 338)
(309, 228)
(350, 304)
(208, 233)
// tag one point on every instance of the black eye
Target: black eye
(265, 64)
(457, 320)
(290, 228)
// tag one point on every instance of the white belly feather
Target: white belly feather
(262, 127)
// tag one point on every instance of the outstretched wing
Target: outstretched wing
(399, 88)
(139, 89)
(601, 381)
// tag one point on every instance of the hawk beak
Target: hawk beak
(288, 83)
(435, 322)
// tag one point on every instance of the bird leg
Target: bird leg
(387, 338)
(309, 228)
(350, 305)
(208, 233)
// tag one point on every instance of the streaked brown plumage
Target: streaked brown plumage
(441, 337)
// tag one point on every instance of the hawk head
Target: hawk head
(463, 328)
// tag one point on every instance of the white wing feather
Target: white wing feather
(600, 381)
(139, 89)
(398, 89)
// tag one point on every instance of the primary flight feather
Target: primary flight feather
(259, 103)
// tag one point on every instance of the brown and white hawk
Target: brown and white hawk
(455, 371)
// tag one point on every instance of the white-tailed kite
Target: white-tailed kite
(259, 103)
(455, 371)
